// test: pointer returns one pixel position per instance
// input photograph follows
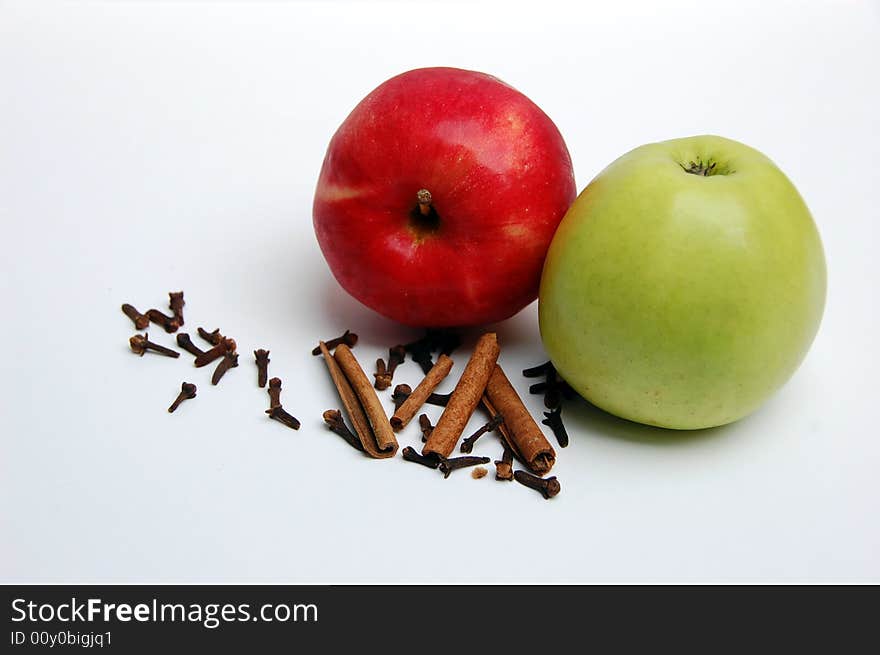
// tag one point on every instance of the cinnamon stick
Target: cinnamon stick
(520, 431)
(352, 407)
(386, 442)
(417, 398)
(465, 398)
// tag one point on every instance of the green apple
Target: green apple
(684, 285)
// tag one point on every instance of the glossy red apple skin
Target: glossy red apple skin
(500, 177)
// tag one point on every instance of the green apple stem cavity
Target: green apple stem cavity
(423, 217)
(705, 169)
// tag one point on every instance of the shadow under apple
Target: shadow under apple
(581, 417)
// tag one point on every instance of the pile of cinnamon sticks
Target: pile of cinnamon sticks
(482, 384)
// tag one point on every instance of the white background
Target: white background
(148, 147)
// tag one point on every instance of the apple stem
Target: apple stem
(424, 199)
(705, 169)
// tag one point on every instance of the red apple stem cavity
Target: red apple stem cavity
(424, 199)
(424, 217)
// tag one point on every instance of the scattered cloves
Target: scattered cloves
(567, 392)
(468, 444)
(539, 370)
(553, 387)
(176, 303)
(274, 391)
(225, 346)
(211, 337)
(140, 344)
(420, 351)
(444, 341)
(383, 380)
(504, 466)
(423, 358)
(396, 357)
(548, 487)
(553, 394)
(479, 472)
(401, 393)
(553, 419)
(262, 358)
(140, 321)
(276, 411)
(451, 464)
(333, 419)
(410, 454)
(384, 375)
(167, 323)
(185, 342)
(187, 390)
(349, 338)
(230, 360)
(426, 427)
(438, 399)
(283, 416)
(538, 387)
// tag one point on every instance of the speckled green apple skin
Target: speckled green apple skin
(680, 300)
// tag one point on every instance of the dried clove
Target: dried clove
(401, 393)
(140, 321)
(276, 411)
(187, 390)
(538, 387)
(420, 351)
(410, 454)
(438, 399)
(504, 466)
(262, 358)
(451, 464)
(383, 381)
(553, 387)
(167, 323)
(384, 375)
(553, 419)
(468, 444)
(446, 341)
(211, 337)
(274, 391)
(333, 419)
(140, 343)
(184, 341)
(426, 427)
(176, 303)
(539, 370)
(349, 338)
(548, 487)
(421, 355)
(553, 394)
(396, 357)
(283, 416)
(225, 346)
(230, 360)
(443, 341)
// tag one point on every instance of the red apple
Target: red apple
(439, 196)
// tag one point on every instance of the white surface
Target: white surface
(153, 147)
